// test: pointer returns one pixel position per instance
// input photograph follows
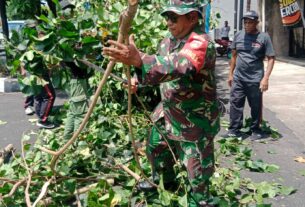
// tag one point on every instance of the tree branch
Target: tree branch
(130, 172)
(43, 192)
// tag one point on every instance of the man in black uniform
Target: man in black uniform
(247, 77)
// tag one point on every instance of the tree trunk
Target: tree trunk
(248, 5)
(4, 18)
(52, 7)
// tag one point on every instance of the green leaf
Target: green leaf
(104, 197)
(29, 55)
(287, 190)
(271, 152)
(2, 173)
(302, 172)
(37, 157)
(45, 19)
(5, 189)
(246, 198)
(90, 40)
(68, 34)
(70, 185)
(64, 170)
(22, 46)
(26, 138)
(267, 189)
(27, 147)
(3, 122)
(86, 24)
(85, 152)
(183, 201)
(165, 197)
(118, 7)
(272, 168)
(67, 52)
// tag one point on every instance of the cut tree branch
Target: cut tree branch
(6, 153)
(125, 24)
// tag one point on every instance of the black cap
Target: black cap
(250, 15)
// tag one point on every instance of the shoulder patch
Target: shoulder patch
(195, 50)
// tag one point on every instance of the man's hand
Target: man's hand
(134, 85)
(126, 54)
(264, 84)
(230, 80)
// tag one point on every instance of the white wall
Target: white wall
(226, 9)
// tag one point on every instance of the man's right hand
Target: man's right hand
(126, 54)
(134, 85)
(230, 80)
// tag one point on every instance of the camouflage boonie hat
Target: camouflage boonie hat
(182, 7)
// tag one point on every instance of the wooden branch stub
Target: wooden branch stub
(6, 153)
(132, 2)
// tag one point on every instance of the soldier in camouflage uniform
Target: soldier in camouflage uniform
(78, 97)
(184, 68)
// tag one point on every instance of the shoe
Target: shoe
(45, 125)
(258, 135)
(233, 135)
(145, 186)
(29, 111)
(205, 204)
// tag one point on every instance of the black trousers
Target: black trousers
(239, 92)
(44, 100)
(29, 101)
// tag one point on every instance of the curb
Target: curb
(299, 62)
(8, 85)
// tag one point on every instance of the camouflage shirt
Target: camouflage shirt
(185, 71)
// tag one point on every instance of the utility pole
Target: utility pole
(241, 13)
(248, 5)
(263, 16)
(235, 15)
(4, 18)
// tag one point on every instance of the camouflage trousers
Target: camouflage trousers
(197, 158)
(78, 106)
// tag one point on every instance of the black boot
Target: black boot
(147, 186)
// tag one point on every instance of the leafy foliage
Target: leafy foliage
(23, 9)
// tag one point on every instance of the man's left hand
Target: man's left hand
(264, 84)
(126, 54)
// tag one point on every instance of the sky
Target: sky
(226, 9)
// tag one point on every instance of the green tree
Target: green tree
(23, 9)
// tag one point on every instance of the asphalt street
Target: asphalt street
(284, 109)
(284, 106)
(13, 121)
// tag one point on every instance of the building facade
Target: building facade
(287, 42)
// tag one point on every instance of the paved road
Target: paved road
(283, 109)
(17, 123)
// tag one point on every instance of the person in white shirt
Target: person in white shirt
(224, 32)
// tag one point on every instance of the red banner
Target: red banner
(291, 13)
